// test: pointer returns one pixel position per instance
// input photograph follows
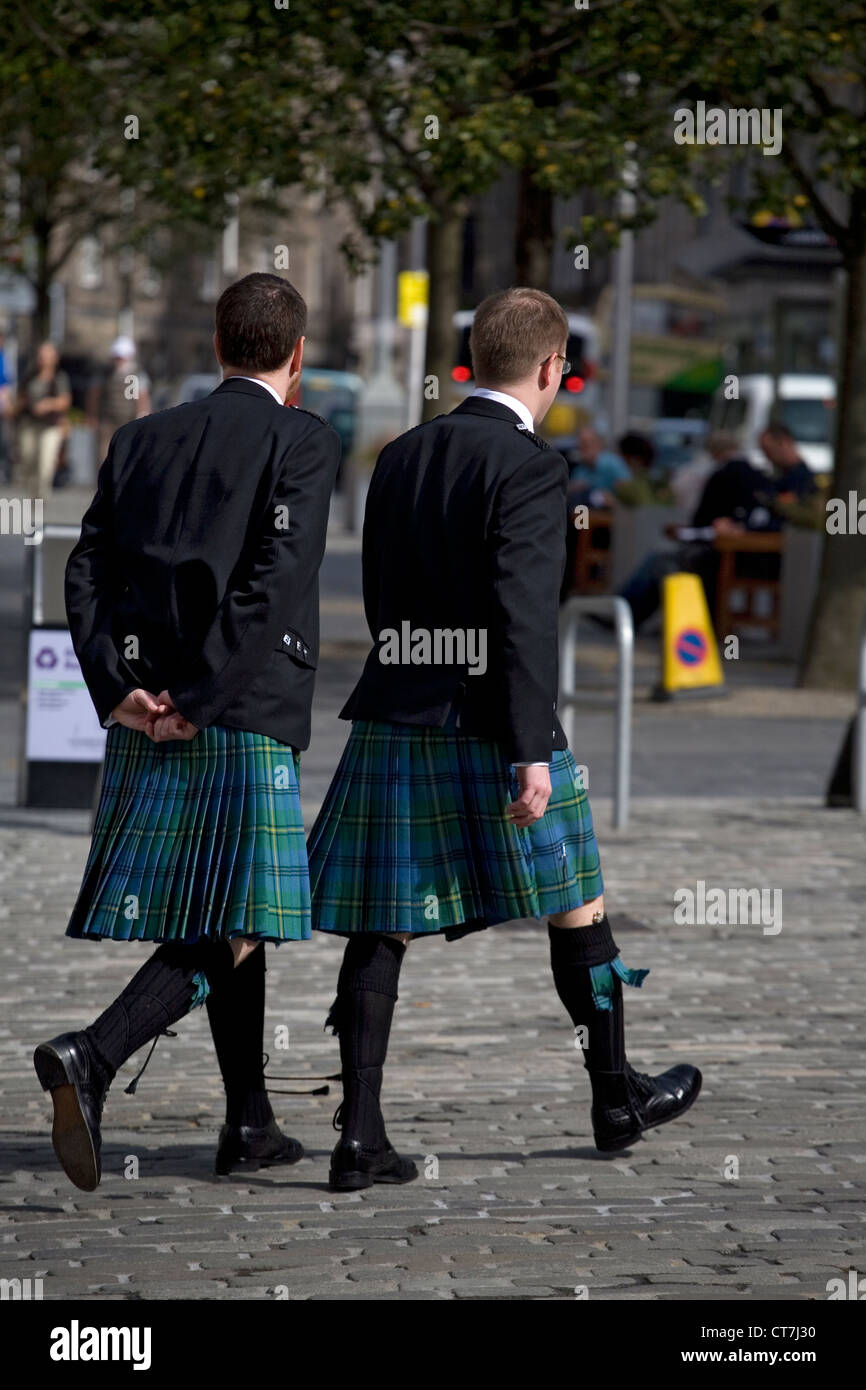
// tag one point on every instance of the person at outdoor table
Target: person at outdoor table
(596, 474)
(594, 470)
(642, 489)
(736, 497)
(793, 480)
(42, 409)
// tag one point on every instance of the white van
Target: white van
(806, 403)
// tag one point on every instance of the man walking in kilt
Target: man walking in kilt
(457, 804)
(192, 598)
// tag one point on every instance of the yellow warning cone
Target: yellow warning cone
(690, 656)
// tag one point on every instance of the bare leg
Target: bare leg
(580, 916)
(242, 947)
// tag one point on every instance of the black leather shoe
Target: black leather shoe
(260, 1148)
(353, 1167)
(67, 1068)
(638, 1102)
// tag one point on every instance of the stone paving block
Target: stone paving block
(483, 1077)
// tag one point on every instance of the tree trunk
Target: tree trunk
(445, 264)
(831, 652)
(533, 262)
(40, 320)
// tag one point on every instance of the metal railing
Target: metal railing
(858, 760)
(603, 606)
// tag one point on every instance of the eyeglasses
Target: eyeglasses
(566, 365)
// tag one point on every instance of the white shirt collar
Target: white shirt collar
(235, 376)
(512, 402)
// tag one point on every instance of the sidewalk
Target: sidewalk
(485, 1089)
(758, 1192)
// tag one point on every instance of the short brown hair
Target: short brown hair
(513, 332)
(776, 430)
(258, 321)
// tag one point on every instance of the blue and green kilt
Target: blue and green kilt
(196, 839)
(413, 837)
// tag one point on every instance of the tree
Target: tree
(111, 122)
(809, 63)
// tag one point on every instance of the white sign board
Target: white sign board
(62, 725)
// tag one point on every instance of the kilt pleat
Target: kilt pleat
(412, 837)
(196, 839)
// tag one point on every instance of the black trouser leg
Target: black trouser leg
(175, 978)
(361, 1017)
(236, 1012)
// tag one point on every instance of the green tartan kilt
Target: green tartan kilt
(412, 837)
(196, 839)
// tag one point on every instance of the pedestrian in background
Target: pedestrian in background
(42, 412)
(7, 411)
(120, 395)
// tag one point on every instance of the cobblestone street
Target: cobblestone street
(485, 1088)
(757, 1193)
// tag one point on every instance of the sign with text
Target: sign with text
(62, 725)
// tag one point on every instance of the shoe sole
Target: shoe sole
(656, 1124)
(70, 1134)
(252, 1165)
(354, 1180)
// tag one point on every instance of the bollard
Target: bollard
(606, 606)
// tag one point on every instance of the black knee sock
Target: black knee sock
(236, 1012)
(573, 951)
(361, 1016)
(165, 988)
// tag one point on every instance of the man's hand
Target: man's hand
(535, 789)
(725, 526)
(171, 724)
(139, 708)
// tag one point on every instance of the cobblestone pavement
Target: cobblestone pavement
(485, 1088)
(758, 1192)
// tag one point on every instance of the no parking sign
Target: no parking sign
(691, 657)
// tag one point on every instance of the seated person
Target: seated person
(595, 471)
(736, 497)
(793, 480)
(642, 489)
(596, 475)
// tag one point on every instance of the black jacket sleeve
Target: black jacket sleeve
(527, 544)
(92, 589)
(257, 605)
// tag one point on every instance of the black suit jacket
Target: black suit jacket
(465, 529)
(197, 566)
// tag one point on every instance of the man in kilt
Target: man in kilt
(192, 598)
(456, 803)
